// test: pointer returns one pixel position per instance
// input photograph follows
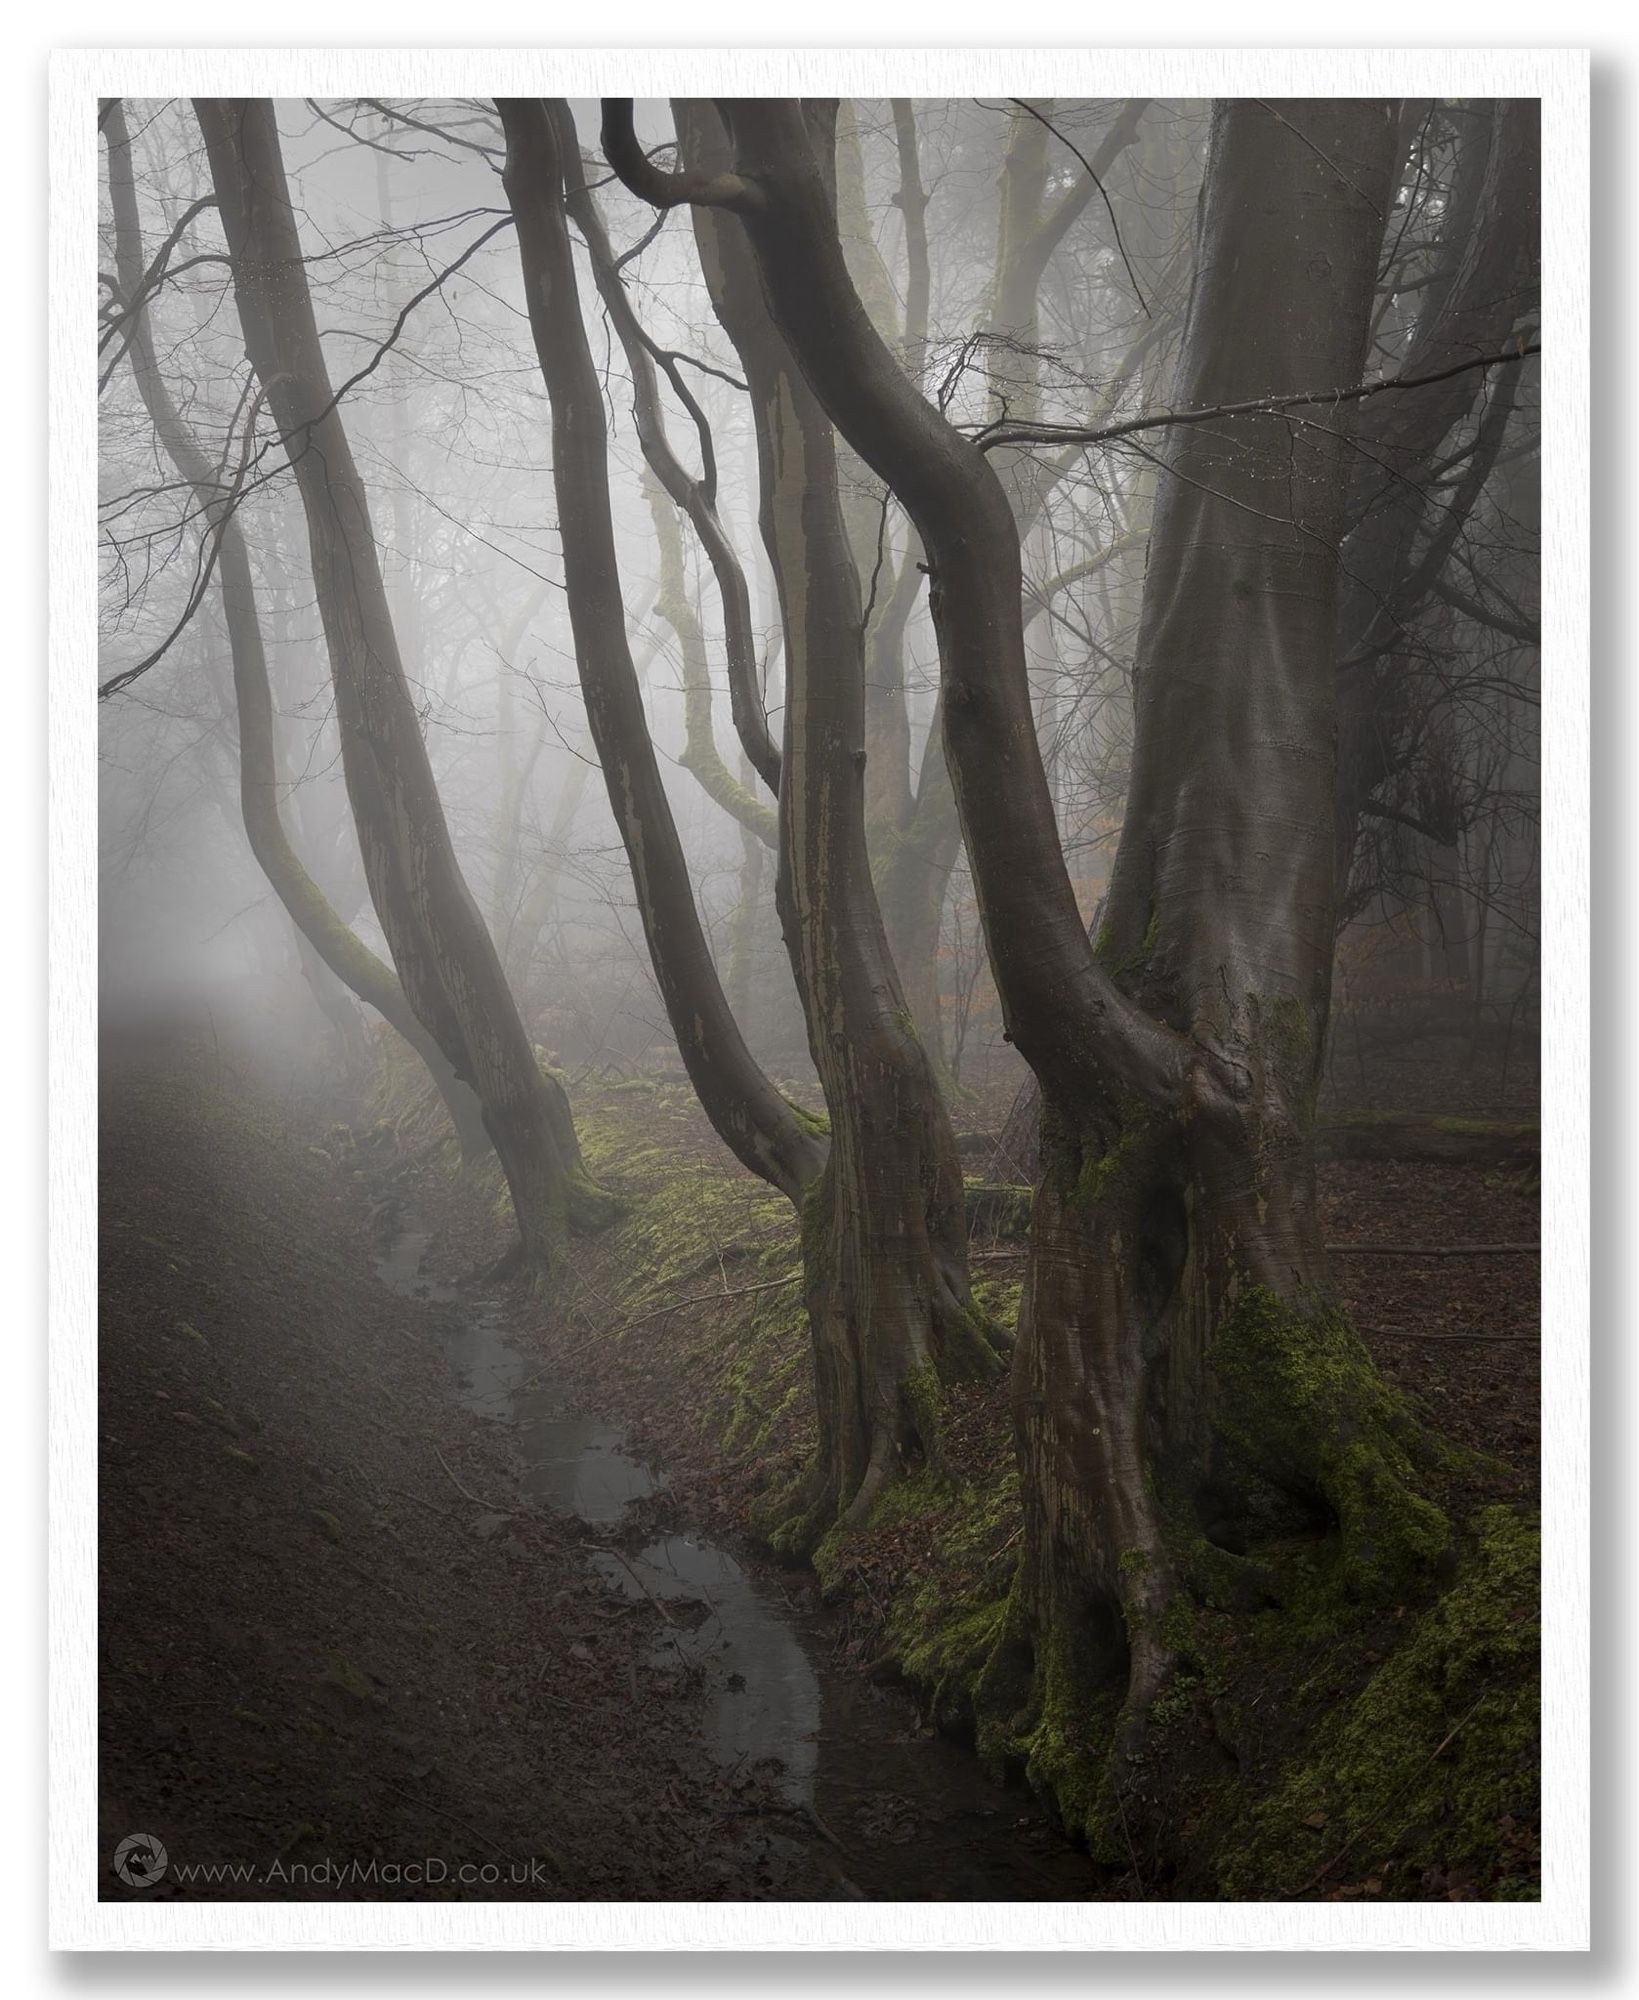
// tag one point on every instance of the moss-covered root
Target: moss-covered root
(1301, 1407)
(591, 1209)
(1050, 1709)
(1428, 1779)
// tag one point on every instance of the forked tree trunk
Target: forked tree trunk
(885, 1235)
(1184, 1393)
(322, 934)
(445, 956)
(884, 1229)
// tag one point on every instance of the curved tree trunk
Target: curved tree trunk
(766, 1133)
(543, 884)
(1181, 1387)
(885, 1236)
(701, 758)
(445, 956)
(320, 930)
(884, 1231)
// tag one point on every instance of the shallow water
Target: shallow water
(922, 1818)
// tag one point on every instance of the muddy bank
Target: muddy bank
(1309, 1748)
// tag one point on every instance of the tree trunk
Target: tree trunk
(1401, 528)
(445, 956)
(884, 1229)
(886, 1251)
(1183, 1392)
(766, 1133)
(320, 930)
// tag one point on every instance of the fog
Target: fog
(451, 430)
(819, 912)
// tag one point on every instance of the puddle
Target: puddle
(764, 1692)
(921, 1819)
(572, 1462)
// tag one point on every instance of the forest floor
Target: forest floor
(343, 1651)
(336, 1630)
(320, 1652)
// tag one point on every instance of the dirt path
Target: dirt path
(329, 1666)
(353, 1642)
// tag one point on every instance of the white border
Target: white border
(1560, 77)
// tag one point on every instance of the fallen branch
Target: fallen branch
(1434, 1249)
(603, 1549)
(1435, 1339)
(674, 1305)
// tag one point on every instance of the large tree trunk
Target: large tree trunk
(1183, 1391)
(445, 956)
(324, 936)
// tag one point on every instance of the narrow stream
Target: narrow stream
(923, 1820)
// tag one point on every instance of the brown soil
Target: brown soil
(318, 1647)
(335, 1635)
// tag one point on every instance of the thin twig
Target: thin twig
(427, 1806)
(1454, 1339)
(490, 1506)
(1263, 406)
(1371, 1820)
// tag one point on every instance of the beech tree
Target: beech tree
(1187, 1398)
(321, 930)
(881, 1195)
(442, 949)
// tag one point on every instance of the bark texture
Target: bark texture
(768, 1134)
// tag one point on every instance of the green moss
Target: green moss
(1301, 1405)
(1099, 1170)
(1049, 1711)
(943, 1624)
(811, 1121)
(923, 1397)
(1126, 966)
(1433, 1763)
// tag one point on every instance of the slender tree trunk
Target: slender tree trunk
(884, 1227)
(766, 1133)
(444, 954)
(322, 933)
(885, 1235)
(1401, 528)
(701, 758)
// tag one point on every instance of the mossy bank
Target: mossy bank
(1354, 1714)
